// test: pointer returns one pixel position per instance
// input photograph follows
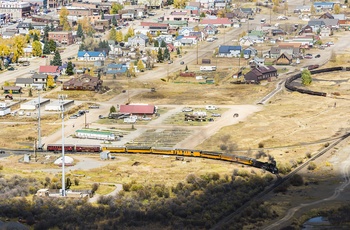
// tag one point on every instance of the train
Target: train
(69, 148)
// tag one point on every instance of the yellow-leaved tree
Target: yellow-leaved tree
(140, 65)
(64, 19)
(18, 43)
(119, 36)
(112, 34)
(37, 49)
(179, 4)
(131, 70)
(86, 25)
(50, 82)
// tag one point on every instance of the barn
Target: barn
(138, 110)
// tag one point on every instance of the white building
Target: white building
(4, 109)
(56, 105)
(34, 104)
(14, 9)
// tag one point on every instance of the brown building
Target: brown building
(63, 37)
(284, 59)
(261, 73)
(101, 25)
(84, 82)
(77, 11)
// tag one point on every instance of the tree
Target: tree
(86, 26)
(162, 44)
(119, 36)
(306, 77)
(46, 32)
(337, 8)
(156, 43)
(30, 93)
(186, 68)
(158, 33)
(102, 15)
(112, 109)
(221, 13)
(179, 4)
(64, 19)
(50, 82)
(312, 9)
(131, 70)
(160, 55)
(140, 65)
(112, 34)
(69, 70)
(57, 61)
(115, 8)
(35, 37)
(202, 15)
(80, 32)
(114, 21)
(17, 48)
(150, 37)
(52, 45)
(30, 27)
(166, 54)
(52, 27)
(37, 49)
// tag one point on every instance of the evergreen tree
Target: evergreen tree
(112, 109)
(52, 27)
(46, 49)
(52, 45)
(166, 54)
(306, 78)
(114, 21)
(178, 51)
(114, 76)
(80, 32)
(46, 32)
(163, 44)
(160, 55)
(57, 61)
(69, 70)
(156, 43)
(186, 68)
(30, 27)
(35, 37)
(82, 47)
(30, 93)
(102, 15)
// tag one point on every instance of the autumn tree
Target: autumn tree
(57, 61)
(312, 9)
(37, 49)
(69, 70)
(64, 19)
(50, 82)
(221, 13)
(129, 34)
(86, 26)
(112, 34)
(306, 77)
(140, 65)
(150, 37)
(131, 70)
(179, 4)
(17, 47)
(336, 9)
(119, 36)
(35, 34)
(115, 8)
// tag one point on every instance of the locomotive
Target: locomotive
(69, 148)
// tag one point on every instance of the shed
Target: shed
(13, 89)
(68, 161)
(94, 134)
(284, 59)
(138, 109)
(34, 104)
(105, 155)
(56, 105)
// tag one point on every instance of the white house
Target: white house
(91, 56)
(4, 109)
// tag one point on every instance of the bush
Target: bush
(308, 155)
(76, 181)
(261, 145)
(297, 180)
(94, 188)
(1, 167)
(312, 166)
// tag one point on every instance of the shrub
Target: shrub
(1, 167)
(308, 155)
(76, 181)
(126, 187)
(312, 166)
(94, 188)
(261, 145)
(297, 180)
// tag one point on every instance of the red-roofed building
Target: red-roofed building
(219, 22)
(138, 109)
(154, 24)
(49, 70)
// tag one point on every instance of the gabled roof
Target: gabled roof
(39, 76)
(24, 80)
(227, 49)
(217, 21)
(137, 109)
(91, 53)
(48, 69)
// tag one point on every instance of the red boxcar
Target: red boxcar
(88, 148)
(58, 148)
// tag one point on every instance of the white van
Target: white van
(21, 113)
(210, 107)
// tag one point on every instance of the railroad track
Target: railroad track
(227, 220)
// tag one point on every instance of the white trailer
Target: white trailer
(207, 68)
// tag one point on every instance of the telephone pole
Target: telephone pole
(39, 127)
(61, 99)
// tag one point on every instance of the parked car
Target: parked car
(311, 67)
(181, 63)
(94, 107)
(318, 56)
(73, 117)
(11, 68)
(32, 72)
(216, 115)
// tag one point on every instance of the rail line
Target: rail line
(280, 181)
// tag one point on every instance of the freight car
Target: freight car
(271, 167)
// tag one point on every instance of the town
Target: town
(144, 114)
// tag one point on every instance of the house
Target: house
(4, 109)
(325, 32)
(24, 82)
(252, 51)
(12, 89)
(185, 31)
(210, 30)
(62, 37)
(326, 15)
(275, 32)
(117, 69)
(323, 6)
(50, 70)
(139, 110)
(139, 41)
(8, 34)
(230, 51)
(257, 62)
(39, 80)
(302, 9)
(317, 24)
(258, 33)
(91, 56)
(305, 30)
(84, 82)
(218, 22)
(260, 73)
(284, 59)
(250, 40)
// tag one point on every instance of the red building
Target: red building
(63, 37)
(138, 109)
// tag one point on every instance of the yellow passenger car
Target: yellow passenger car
(114, 149)
(163, 150)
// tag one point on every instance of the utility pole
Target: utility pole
(61, 99)
(270, 14)
(39, 127)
